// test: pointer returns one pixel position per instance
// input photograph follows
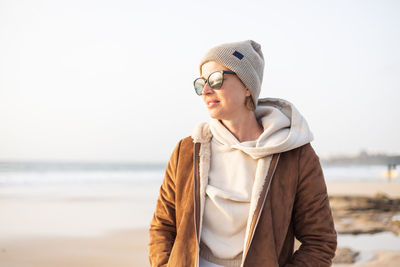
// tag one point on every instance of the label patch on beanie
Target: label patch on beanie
(238, 55)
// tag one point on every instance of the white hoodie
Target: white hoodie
(236, 174)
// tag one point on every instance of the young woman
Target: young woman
(244, 186)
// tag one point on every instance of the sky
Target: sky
(112, 80)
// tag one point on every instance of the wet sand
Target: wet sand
(90, 225)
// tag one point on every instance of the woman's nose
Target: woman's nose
(207, 89)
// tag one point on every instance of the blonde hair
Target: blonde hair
(250, 103)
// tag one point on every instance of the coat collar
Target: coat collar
(202, 133)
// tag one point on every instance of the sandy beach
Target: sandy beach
(120, 249)
(74, 225)
(35, 239)
(369, 189)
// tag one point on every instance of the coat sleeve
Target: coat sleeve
(312, 216)
(163, 225)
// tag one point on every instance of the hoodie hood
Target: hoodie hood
(284, 129)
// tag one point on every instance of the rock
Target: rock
(362, 215)
(345, 255)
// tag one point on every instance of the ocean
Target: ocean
(131, 174)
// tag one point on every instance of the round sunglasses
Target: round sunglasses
(214, 80)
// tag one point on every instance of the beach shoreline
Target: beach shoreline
(23, 242)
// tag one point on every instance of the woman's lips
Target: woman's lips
(212, 103)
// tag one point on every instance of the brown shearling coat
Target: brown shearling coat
(293, 203)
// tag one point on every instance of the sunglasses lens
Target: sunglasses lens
(215, 80)
(199, 85)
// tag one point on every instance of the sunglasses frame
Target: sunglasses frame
(223, 72)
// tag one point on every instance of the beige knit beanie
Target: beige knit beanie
(244, 58)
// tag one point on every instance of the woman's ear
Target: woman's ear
(248, 93)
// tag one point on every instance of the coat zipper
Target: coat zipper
(259, 213)
(195, 175)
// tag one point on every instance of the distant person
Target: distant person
(244, 186)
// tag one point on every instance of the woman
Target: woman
(244, 186)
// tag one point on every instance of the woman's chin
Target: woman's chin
(213, 114)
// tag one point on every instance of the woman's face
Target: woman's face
(228, 102)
